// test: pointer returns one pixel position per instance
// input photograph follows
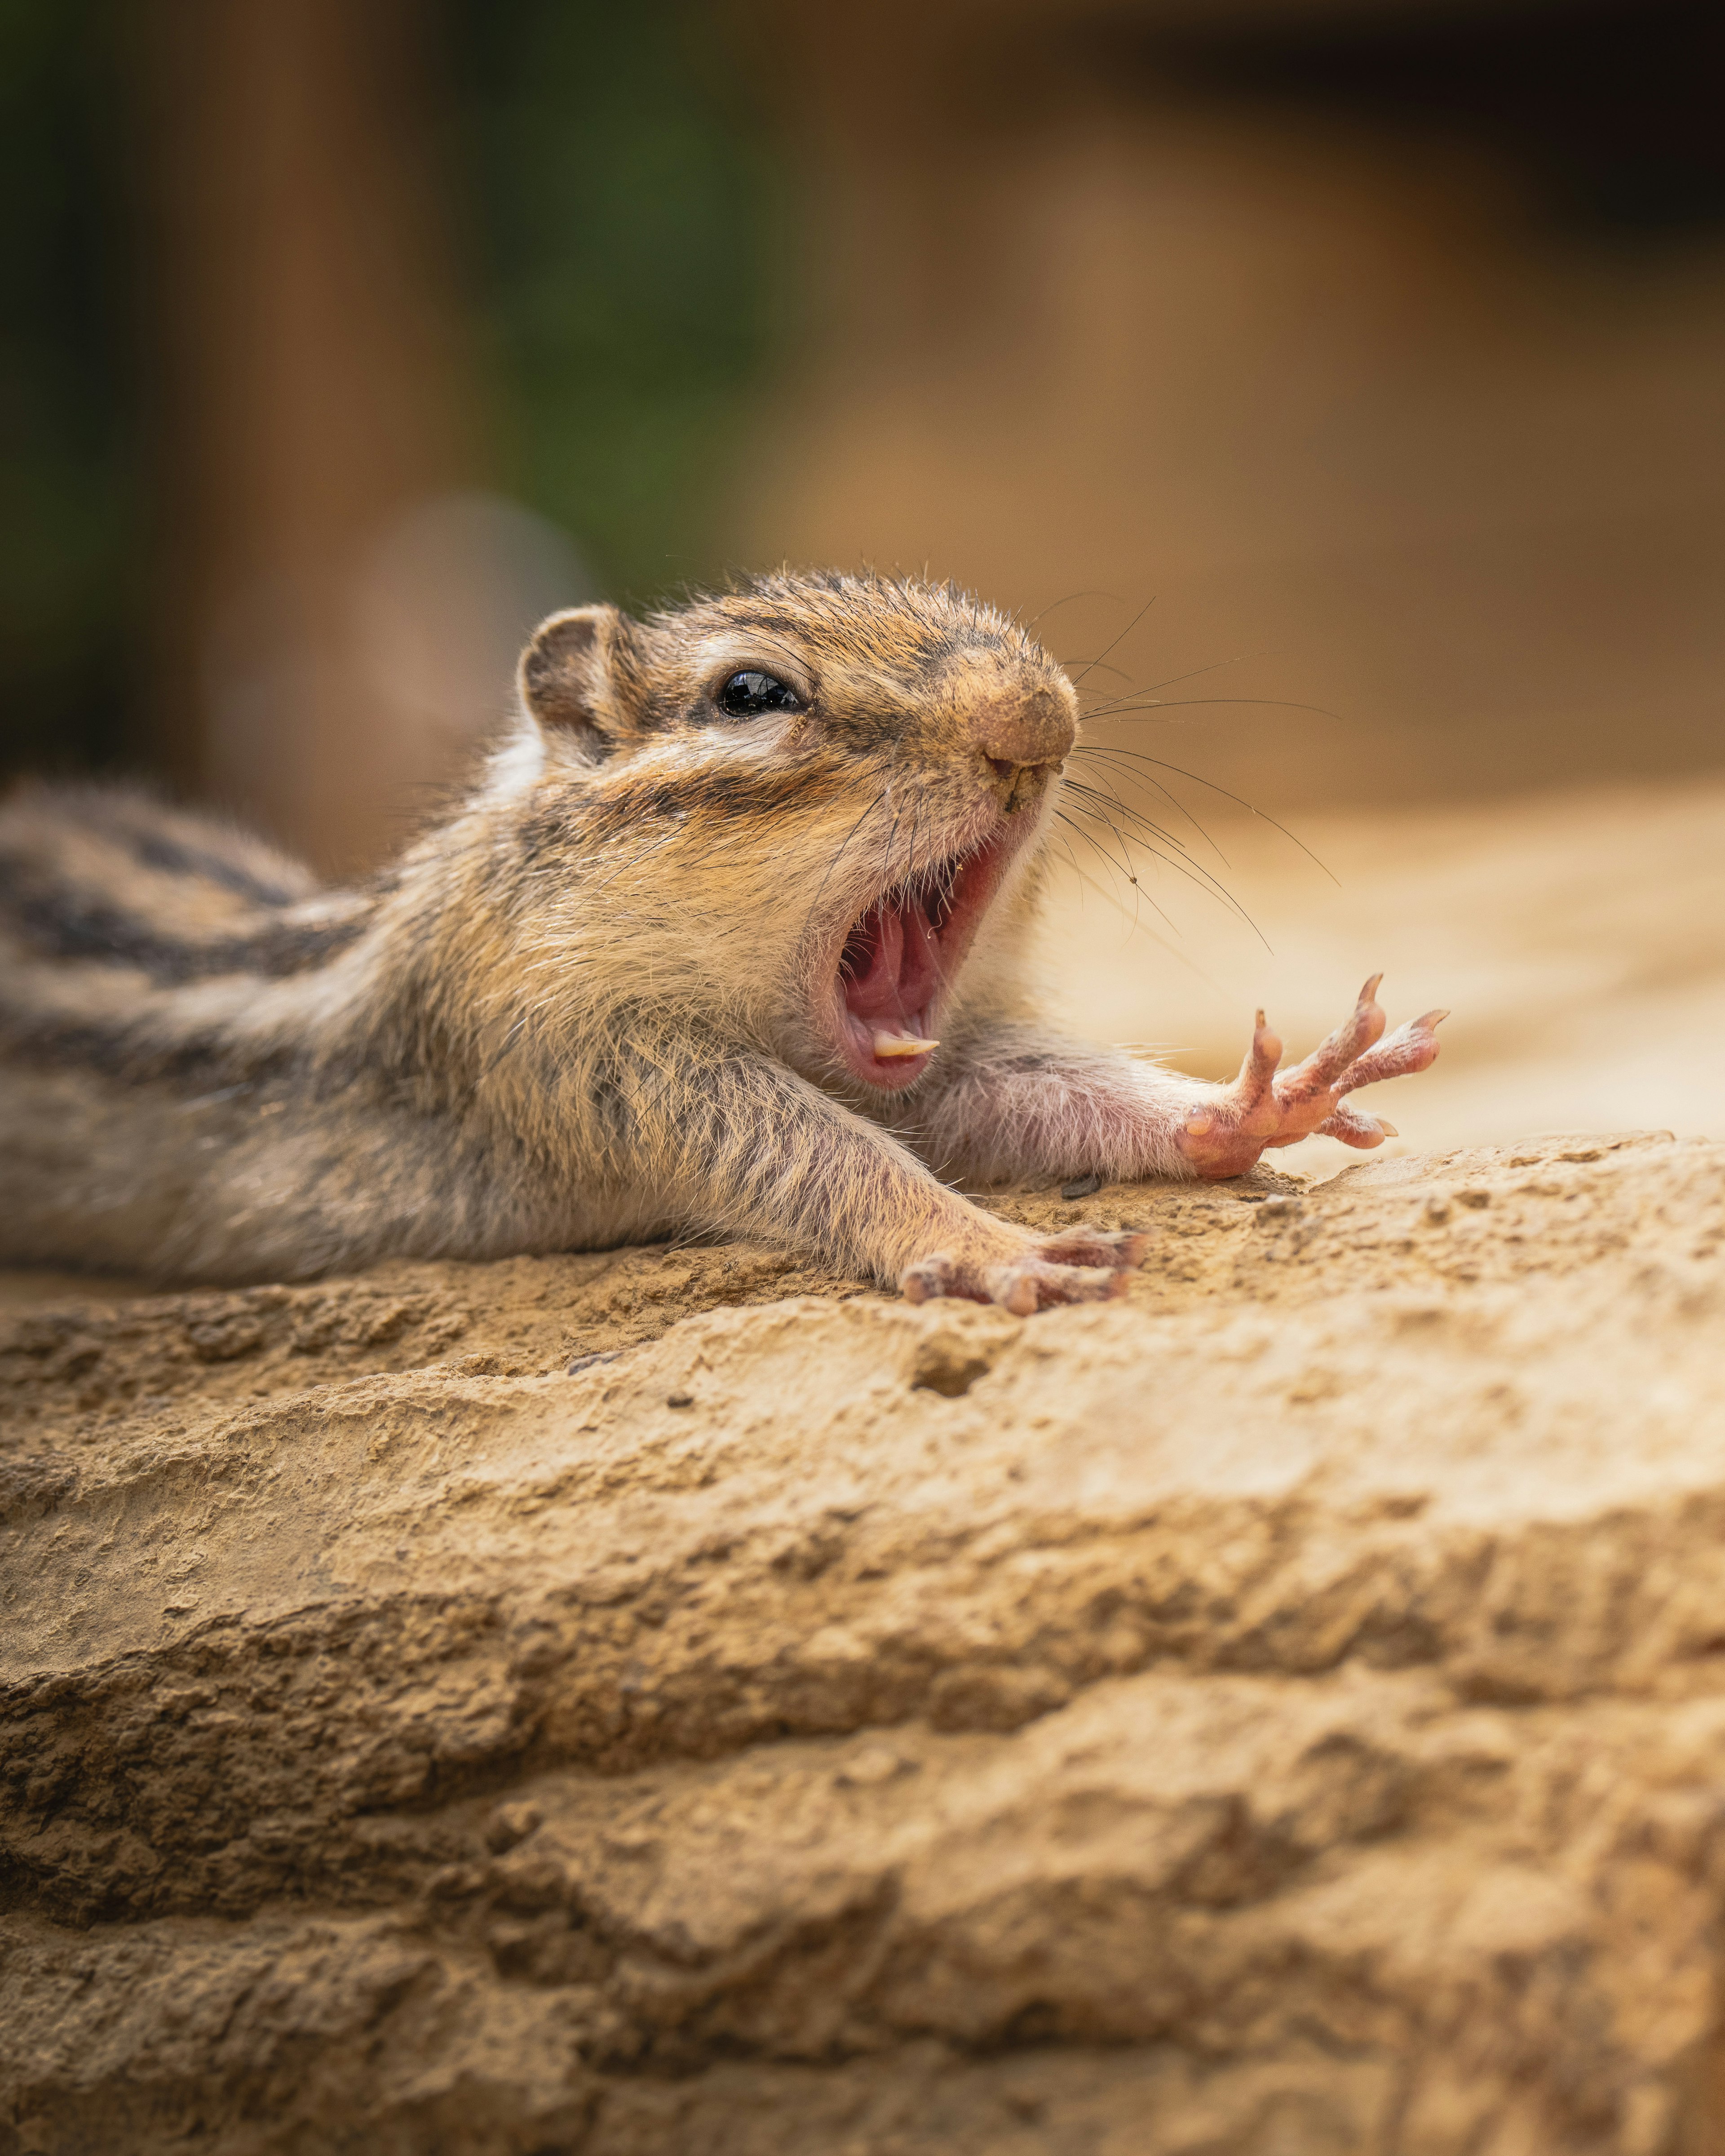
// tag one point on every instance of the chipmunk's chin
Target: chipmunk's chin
(901, 956)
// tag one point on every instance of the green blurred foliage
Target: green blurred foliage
(70, 580)
(622, 199)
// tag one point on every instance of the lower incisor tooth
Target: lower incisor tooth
(901, 1043)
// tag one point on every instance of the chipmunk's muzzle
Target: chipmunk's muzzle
(899, 958)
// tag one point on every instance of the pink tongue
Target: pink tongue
(895, 967)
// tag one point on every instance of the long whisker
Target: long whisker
(1068, 601)
(1173, 680)
(1087, 664)
(1131, 756)
(848, 837)
(1185, 864)
(1110, 794)
(1078, 831)
(1238, 800)
(1121, 709)
(1200, 877)
(1065, 846)
(1131, 921)
(891, 836)
(1119, 639)
(1121, 867)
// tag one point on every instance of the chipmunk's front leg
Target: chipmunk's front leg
(1018, 1103)
(753, 1149)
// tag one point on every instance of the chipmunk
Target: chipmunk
(729, 938)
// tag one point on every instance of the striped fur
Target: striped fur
(586, 1006)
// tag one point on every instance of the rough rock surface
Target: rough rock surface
(1280, 1712)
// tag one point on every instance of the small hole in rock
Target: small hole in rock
(948, 1366)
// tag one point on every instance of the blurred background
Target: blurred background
(1339, 386)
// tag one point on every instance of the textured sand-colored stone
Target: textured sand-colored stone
(1283, 1710)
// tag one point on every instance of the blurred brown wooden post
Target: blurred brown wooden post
(312, 381)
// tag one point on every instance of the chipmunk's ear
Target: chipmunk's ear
(577, 676)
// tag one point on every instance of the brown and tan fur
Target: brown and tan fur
(586, 1008)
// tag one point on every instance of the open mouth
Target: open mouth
(900, 957)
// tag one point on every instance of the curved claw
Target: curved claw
(1330, 1059)
(1355, 1129)
(1240, 1106)
(1257, 1073)
(1411, 1047)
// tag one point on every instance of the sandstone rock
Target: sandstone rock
(1283, 1710)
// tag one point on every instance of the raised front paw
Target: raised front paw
(1225, 1134)
(1024, 1273)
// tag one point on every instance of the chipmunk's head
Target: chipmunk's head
(826, 781)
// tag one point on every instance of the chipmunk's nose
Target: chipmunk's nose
(1018, 731)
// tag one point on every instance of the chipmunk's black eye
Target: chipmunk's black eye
(746, 696)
